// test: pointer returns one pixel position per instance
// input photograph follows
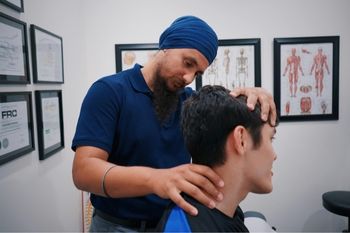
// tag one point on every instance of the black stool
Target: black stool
(338, 202)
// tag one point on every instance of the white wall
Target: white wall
(313, 157)
(39, 195)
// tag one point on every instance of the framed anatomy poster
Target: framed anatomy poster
(127, 55)
(306, 78)
(237, 64)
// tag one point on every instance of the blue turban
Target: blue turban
(190, 32)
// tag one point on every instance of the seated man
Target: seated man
(221, 132)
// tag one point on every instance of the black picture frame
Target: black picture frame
(47, 56)
(16, 125)
(15, 5)
(14, 62)
(306, 78)
(49, 122)
(231, 73)
(127, 55)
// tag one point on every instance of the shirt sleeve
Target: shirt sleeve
(98, 118)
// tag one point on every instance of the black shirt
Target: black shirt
(207, 220)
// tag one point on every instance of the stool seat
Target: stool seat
(338, 202)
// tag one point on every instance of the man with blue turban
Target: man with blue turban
(191, 32)
(129, 149)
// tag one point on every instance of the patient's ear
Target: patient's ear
(240, 139)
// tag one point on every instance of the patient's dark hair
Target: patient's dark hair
(208, 116)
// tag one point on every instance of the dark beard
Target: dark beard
(164, 100)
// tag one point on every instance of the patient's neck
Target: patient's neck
(234, 190)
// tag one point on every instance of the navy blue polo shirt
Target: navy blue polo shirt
(117, 115)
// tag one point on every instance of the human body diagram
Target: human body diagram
(232, 67)
(318, 67)
(293, 67)
(310, 92)
(242, 68)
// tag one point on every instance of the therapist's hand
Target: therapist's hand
(198, 181)
(258, 94)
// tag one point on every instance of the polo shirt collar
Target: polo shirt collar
(138, 81)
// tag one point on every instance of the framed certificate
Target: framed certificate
(17, 5)
(50, 122)
(16, 125)
(14, 67)
(47, 56)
